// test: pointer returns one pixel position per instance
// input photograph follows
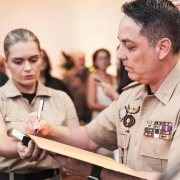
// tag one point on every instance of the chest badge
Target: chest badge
(128, 119)
(122, 113)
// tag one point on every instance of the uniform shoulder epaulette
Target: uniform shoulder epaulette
(134, 84)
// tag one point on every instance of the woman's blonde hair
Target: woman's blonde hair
(19, 35)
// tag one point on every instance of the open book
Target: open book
(76, 153)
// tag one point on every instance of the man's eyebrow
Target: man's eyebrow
(126, 40)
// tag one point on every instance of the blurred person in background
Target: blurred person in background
(3, 77)
(96, 98)
(122, 81)
(46, 78)
(76, 79)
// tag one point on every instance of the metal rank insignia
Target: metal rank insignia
(128, 119)
(158, 129)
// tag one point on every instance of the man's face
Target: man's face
(140, 60)
(79, 61)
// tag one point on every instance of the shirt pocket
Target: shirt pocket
(14, 119)
(123, 143)
(155, 154)
(14, 122)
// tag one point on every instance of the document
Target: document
(83, 155)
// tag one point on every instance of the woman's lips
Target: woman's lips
(28, 77)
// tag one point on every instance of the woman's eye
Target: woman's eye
(33, 60)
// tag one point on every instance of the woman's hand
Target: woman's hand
(31, 152)
(31, 124)
(108, 90)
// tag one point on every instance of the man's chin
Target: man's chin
(133, 76)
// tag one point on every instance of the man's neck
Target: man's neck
(164, 72)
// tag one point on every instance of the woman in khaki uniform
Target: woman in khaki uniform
(20, 96)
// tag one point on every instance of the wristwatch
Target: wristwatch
(95, 173)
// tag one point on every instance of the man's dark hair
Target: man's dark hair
(158, 19)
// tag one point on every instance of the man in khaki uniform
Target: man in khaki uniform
(144, 121)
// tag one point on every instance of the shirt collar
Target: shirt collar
(165, 91)
(12, 91)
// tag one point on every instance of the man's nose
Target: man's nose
(120, 55)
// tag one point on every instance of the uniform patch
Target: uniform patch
(122, 113)
(128, 119)
(158, 129)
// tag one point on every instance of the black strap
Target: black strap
(95, 172)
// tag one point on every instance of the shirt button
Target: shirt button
(135, 143)
(143, 116)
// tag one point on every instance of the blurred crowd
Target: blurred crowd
(91, 89)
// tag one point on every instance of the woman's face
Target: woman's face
(102, 60)
(24, 62)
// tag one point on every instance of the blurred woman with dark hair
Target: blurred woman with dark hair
(47, 79)
(96, 98)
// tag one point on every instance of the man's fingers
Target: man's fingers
(59, 158)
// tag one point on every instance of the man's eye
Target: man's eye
(130, 48)
(18, 62)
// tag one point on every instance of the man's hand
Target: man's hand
(31, 152)
(73, 167)
(31, 123)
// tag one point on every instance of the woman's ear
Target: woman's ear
(6, 63)
(163, 48)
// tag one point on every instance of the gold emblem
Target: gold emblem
(132, 110)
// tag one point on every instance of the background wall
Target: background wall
(65, 25)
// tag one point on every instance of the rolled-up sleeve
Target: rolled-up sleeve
(102, 129)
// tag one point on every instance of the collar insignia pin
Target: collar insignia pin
(164, 94)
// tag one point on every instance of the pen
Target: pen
(39, 112)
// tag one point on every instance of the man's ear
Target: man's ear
(163, 47)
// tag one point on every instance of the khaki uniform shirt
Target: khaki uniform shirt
(14, 109)
(153, 142)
